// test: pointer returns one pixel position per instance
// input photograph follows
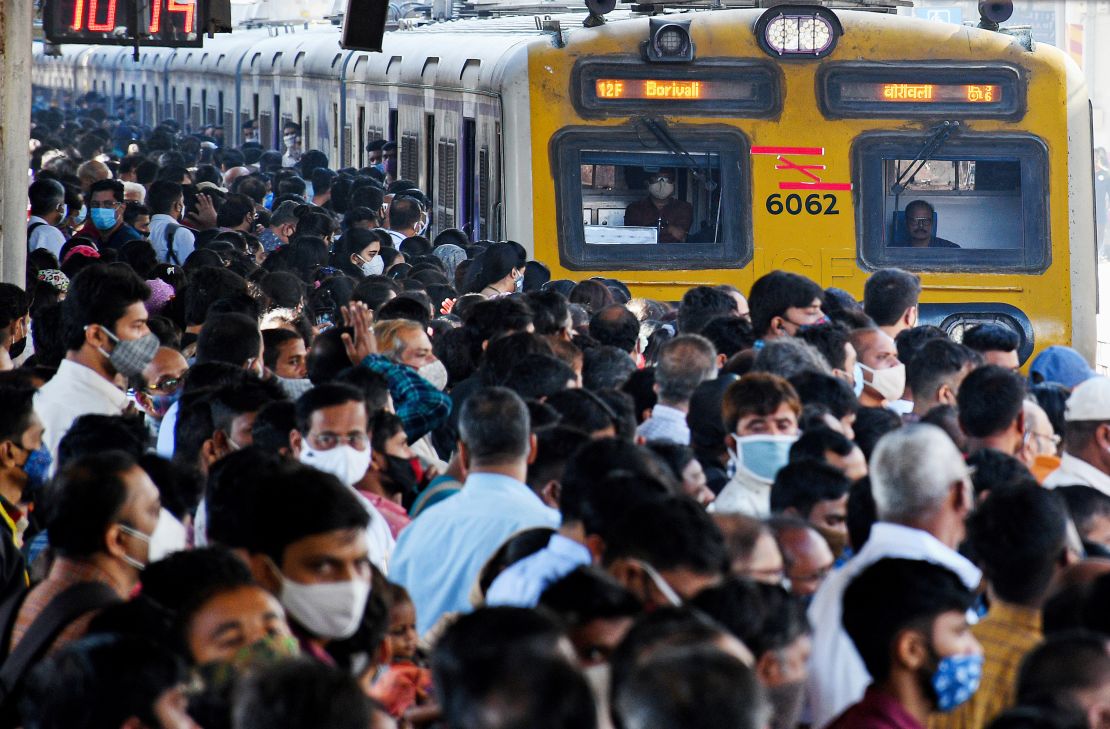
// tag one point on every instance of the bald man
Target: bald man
(805, 554)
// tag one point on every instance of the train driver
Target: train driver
(920, 229)
(661, 209)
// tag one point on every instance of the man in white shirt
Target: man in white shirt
(166, 201)
(405, 219)
(922, 490)
(684, 363)
(104, 324)
(48, 207)
(1086, 460)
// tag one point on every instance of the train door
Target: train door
(468, 206)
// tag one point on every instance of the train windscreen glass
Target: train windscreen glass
(650, 202)
(963, 204)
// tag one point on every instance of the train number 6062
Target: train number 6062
(793, 204)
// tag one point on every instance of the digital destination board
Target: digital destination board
(863, 90)
(669, 89)
(903, 93)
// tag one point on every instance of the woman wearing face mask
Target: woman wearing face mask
(661, 209)
(357, 254)
(496, 272)
(761, 411)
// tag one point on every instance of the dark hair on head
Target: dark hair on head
(776, 292)
(550, 311)
(669, 533)
(520, 545)
(15, 416)
(990, 400)
(99, 294)
(871, 425)
(328, 356)
(232, 338)
(802, 484)
(405, 306)
(272, 425)
(45, 196)
(101, 681)
(140, 255)
(162, 194)
(538, 376)
(207, 285)
(93, 433)
(892, 595)
(616, 326)
(910, 341)
(764, 617)
(587, 594)
(701, 305)
(991, 337)
(1018, 536)
(83, 500)
(288, 693)
(996, 470)
(415, 245)
(666, 627)
(1084, 504)
(605, 368)
(282, 289)
(582, 409)
(272, 339)
(830, 339)
(936, 363)
(816, 388)
(323, 396)
(888, 293)
(1062, 666)
(113, 186)
(236, 484)
(303, 502)
(493, 265)
(861, 514)
(599, 505)
(592, 294)
(729, 334)
(494, 318)
(760, 393)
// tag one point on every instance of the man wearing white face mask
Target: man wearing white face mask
(761, 411)
(884, 376)
(310, 552)
(661, 209)
(331, 436)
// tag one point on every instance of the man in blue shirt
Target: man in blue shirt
(439, 555)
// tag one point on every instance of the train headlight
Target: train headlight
(799, 31)
(669, 41)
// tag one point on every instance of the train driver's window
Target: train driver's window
(965, 204)
(979, 203)
(651, 202)
(631, 200)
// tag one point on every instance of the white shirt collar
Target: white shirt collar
(899, 541)
(1073, 465)
(77, 372)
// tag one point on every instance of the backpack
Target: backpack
(59, 613)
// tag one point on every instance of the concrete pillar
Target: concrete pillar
(16, 17)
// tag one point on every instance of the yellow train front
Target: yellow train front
(713, 147)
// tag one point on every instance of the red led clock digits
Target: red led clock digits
(107, 26)
(172, 6)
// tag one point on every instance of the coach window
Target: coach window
(977, 204)
(629, 207)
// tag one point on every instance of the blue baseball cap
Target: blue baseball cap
(1062, 365)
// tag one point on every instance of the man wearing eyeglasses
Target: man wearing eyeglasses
(921, 229)
(105, 224)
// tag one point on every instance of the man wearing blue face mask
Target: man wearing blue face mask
(24, 465)
(761, 413)
(105, 224)
(908, 621)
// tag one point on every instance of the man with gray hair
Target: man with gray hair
(282, 224)
(439, 555)
(922, 491)
(684, 363)
(787, 356)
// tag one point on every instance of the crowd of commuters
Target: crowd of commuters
(271, 457)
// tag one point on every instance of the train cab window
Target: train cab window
(633, 209)
(982, 208)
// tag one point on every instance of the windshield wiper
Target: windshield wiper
(935, 141)
(659, 131)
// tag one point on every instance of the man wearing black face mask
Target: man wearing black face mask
(108, 342)
(23, 467)
(13, 324)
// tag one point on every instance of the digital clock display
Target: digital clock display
(174, 23)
